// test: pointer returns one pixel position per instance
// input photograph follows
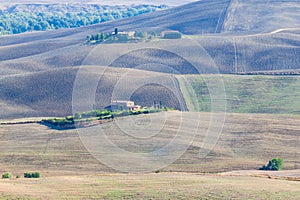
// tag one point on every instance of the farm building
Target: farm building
(123, 105)
(129, 34)
(171, 35)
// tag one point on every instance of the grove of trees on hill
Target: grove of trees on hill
(40, 17)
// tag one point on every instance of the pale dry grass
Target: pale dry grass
(247, 141)
(151, 186)
(68, 171)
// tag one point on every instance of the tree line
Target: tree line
(14, 20)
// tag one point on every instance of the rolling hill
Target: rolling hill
(103, 2)
(67, 168)
(203, 17)
(49, 93)
(38, 69)
(55, 73)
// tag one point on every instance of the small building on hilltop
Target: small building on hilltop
(171, 35)
(123, 105)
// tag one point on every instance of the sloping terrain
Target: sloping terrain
(247, 142)
(39, 75)
(49, 93)
(262, 16)
(232, 53)
(277, 51)
(104, 2)
(38, 69)
(248, 94)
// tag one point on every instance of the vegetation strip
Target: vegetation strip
(16, 123)
(131, 36)
(94, 118)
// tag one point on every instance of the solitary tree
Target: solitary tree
(116, 31)
(275, 164)
(101, 36)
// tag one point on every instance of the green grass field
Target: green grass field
(247, 94)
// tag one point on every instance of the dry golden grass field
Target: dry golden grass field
(150, 186)
(68, 171)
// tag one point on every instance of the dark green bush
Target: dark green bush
(92, 113)
(275, 164)
(32, 175)
(105, 113)
(136, 112)
(106, 117)
(70, 118)
(121, 114)
(145, 111)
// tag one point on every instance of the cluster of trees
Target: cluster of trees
(69, 121)
(14, 20)
(117, 36)
(132, 36)
(8, 175)
(32, 175)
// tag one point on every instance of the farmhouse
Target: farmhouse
(123, 105)
(129, 34)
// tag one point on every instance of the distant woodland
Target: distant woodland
(21, 18)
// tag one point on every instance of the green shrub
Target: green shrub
(18, 176)
(70, 118)
(32, 175)
(104, 113)
(121, 113)
(136, 112)
(6, 175)
(77, 116)
(27, 175)
(35, 175)
(89, 114)
(275, 164)
(106, 117)
(145, 111)
(62, 122)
